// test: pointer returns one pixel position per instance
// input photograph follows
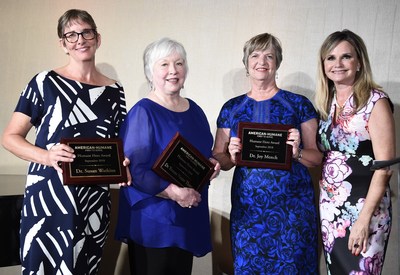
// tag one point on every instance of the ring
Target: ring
(356, 245)
(189, 206)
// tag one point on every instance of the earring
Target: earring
(276, 76)
(247, 73)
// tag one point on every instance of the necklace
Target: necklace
(340, 115)
(341, 106)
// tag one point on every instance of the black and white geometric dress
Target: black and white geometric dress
(64, 228)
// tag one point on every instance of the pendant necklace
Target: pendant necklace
(339, 115)
(341, 107)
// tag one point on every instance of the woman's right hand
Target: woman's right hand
(234, 148)
(185, 197)
(126, 163)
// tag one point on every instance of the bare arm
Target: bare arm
(14, 140)
(382, 132)
(311, 156)
(220, 150)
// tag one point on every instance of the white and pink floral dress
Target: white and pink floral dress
(344, 185)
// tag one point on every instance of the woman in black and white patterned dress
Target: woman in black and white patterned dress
(64, 227)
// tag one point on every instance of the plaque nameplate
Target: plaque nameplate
(97, 161)
(264, 145)
(182, 164)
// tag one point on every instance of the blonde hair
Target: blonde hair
(363, 82)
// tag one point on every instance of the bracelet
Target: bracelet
(300, 155)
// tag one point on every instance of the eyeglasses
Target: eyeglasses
(72, 37)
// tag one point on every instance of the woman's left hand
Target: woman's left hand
(358, 238)
(217, 168)
(184, 196)
(294, 139)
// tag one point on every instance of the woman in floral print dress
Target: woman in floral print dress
(356, 127)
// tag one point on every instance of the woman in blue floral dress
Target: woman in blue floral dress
(64, 227)
(356, 127)
(273, 216)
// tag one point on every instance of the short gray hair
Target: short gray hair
(158, 50)
(262, 42)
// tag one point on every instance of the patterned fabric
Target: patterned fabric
(143, 217)
(273, 217)
(345, 182)
(64, 228)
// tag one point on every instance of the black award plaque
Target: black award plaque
(264, 146)
(182, 164)
(98, 161)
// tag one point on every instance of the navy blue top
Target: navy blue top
(143, 217)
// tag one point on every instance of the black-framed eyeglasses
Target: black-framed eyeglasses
(72, 37)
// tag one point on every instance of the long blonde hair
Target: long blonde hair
(363, 82)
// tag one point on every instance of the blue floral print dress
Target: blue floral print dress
(273, 216)
(345, 182)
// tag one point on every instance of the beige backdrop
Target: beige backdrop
(213, 33)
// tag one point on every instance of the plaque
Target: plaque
(97, 161)
(264, 146)
(182, 164)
